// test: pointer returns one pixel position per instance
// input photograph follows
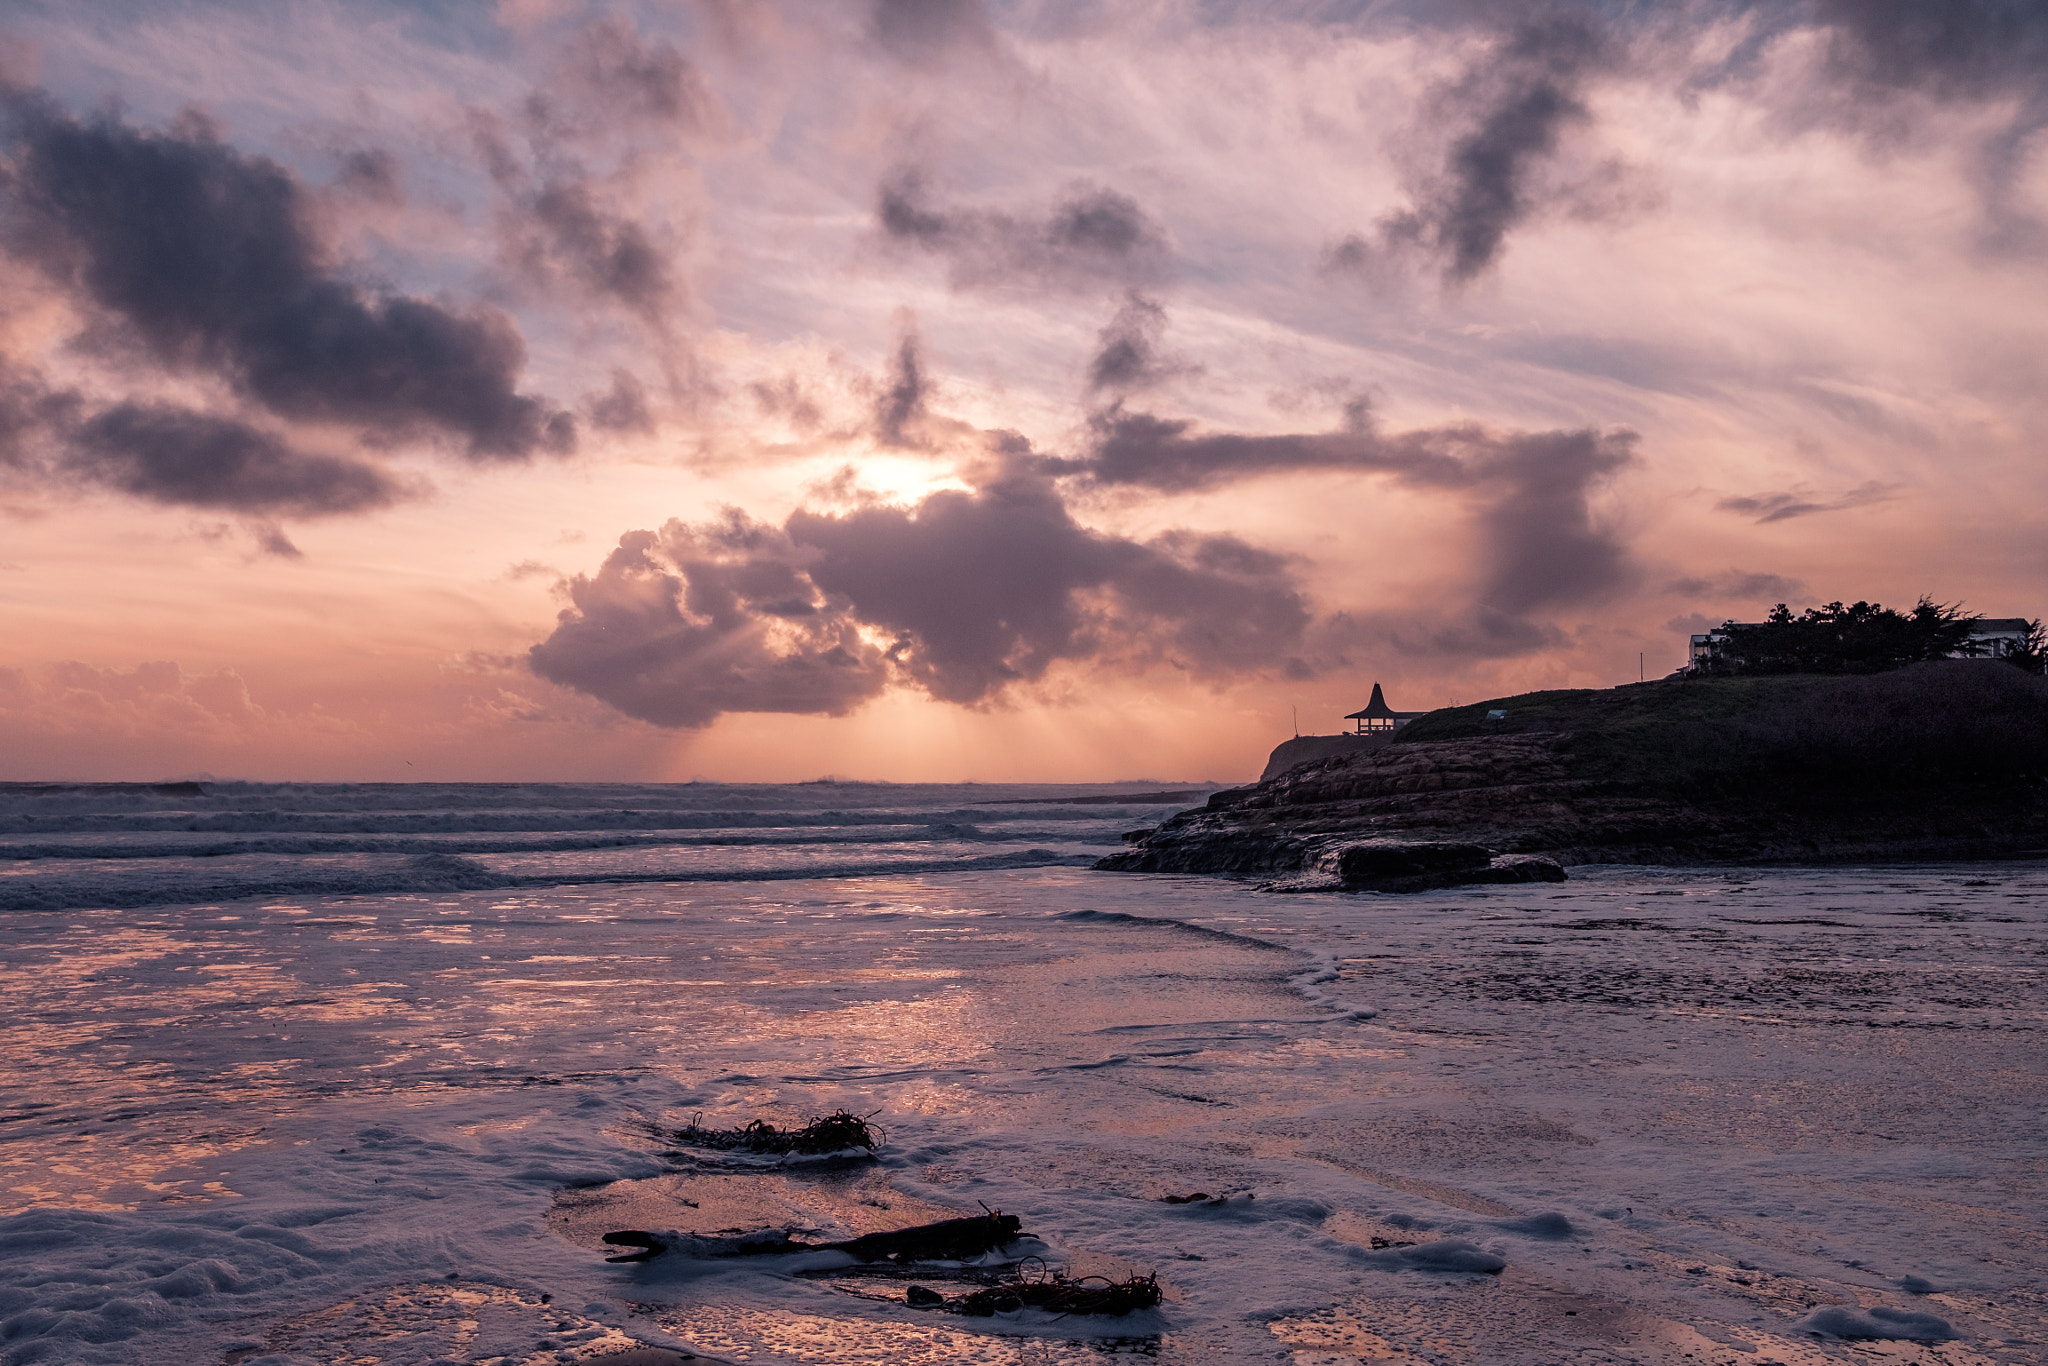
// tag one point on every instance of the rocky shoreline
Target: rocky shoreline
(1521, 806)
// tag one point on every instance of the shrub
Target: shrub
(1859, 639)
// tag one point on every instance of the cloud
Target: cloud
(183, 457)
(983, 588)
(192, 459)
(1541, 545)
(919, 30)
(155, 697)
(681, 625)
(29, 411)
(210, 261)
(556, 227)
(1802, 502)
(900, 407)
(1737, 584)
(371, 174)
(1966, 49)
(1092, 236)
(608, 253)
(622, 407)
(609, 72)
(1462, 632)
(1984, 52)
(961, 595)
(1513, 106)
(1128, 357)
(608, 130)
(271, 540)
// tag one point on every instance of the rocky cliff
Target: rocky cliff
(1935, 762)
(1303, 749)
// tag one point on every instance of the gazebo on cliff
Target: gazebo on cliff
(1379, 718)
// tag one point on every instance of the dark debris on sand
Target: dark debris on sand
(949, 1238)
(1038, 1287)
(838, 1132)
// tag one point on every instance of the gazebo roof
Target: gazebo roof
(1377, 709)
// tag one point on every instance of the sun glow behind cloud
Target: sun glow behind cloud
(1100, 388)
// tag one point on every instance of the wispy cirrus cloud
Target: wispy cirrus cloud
(1787, 504)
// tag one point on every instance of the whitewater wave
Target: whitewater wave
(541, 842)
(1312, 981)
(1309, 982)
(439, 873)
(349, 822)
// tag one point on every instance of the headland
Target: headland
(1937, 761)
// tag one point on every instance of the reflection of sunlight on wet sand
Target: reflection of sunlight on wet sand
(437, 1321)
(1084, 1071)
(741, 1332)
(144, 1029)
(97, 1176)
(941, 1030)
(1518, 1319)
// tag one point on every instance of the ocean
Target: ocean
(362, 1073)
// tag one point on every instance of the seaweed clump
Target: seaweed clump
(1041, 1288)
(834, 1133)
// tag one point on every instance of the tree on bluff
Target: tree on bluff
(1863, 638)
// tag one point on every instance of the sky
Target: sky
(958, 390)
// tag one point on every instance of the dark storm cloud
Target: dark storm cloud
(210, 260)
(1128, 357)
(1965, 49)
(1092, 235)
(1541, 545)
(177, 456)
(972, 591)
(984, 588)
(1512, 106)
(1783, 507)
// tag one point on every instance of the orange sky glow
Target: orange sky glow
(933, 390)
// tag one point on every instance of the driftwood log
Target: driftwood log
(947, 1239)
